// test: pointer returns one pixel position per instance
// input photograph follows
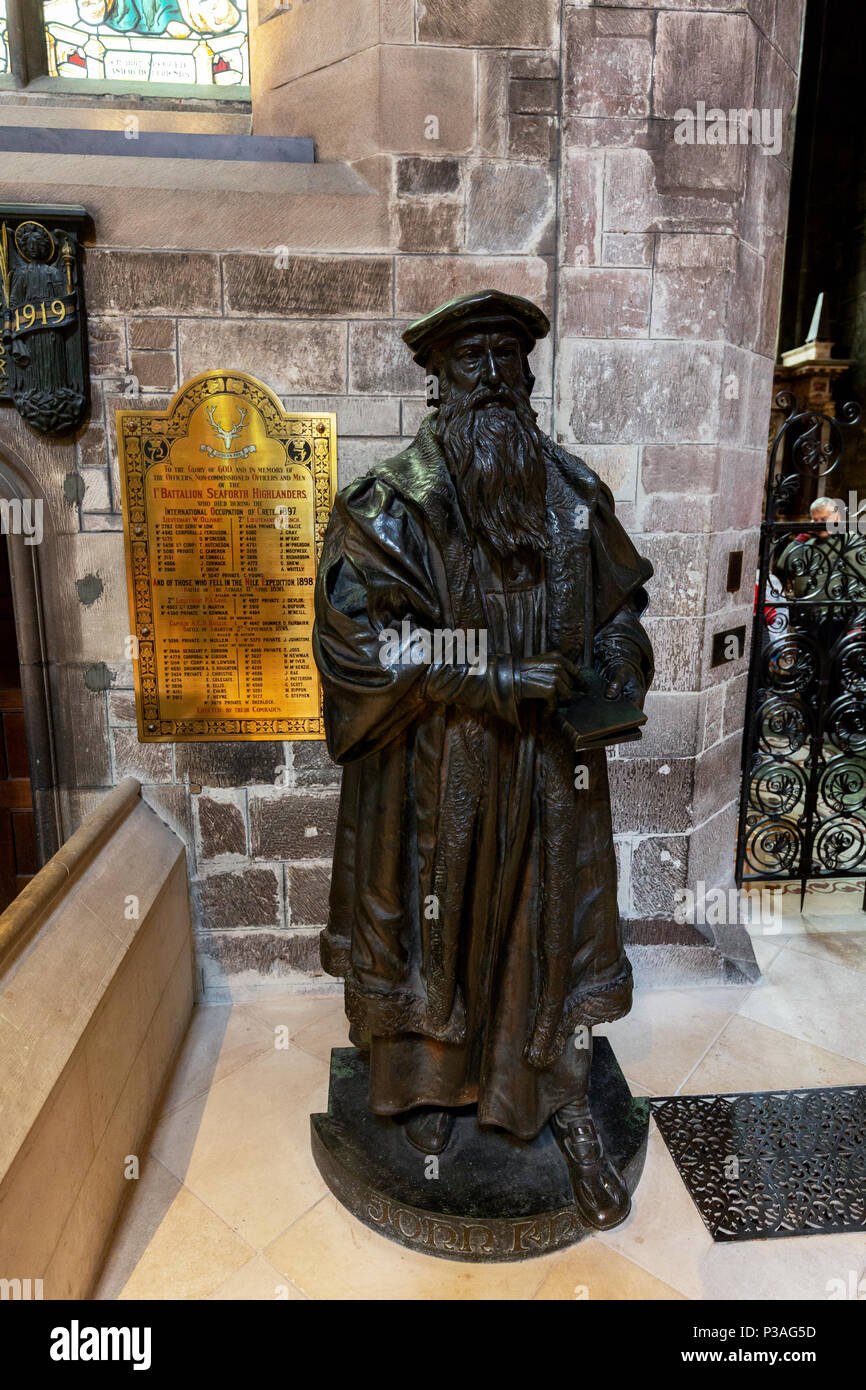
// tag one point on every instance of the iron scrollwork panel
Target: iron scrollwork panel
(803, 801)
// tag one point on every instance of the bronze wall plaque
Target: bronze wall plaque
(225, 503)
(44, 364)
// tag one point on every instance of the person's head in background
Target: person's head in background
(826, 511)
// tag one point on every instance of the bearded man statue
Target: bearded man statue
(473, 910)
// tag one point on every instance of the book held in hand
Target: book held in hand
(590, 720)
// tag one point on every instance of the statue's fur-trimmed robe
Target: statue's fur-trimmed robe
(473, 900)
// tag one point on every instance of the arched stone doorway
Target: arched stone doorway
(25, 532)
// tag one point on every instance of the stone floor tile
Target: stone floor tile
(244, 1149)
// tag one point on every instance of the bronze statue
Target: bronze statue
(463, 587)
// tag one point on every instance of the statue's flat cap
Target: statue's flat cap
(485, 309)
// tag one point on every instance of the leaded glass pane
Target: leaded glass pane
(193, 42)
(5, 63)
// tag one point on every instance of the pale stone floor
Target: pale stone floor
(229, 1204)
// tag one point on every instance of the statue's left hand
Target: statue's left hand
(624, 679)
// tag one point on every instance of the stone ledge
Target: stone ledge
(101, 116)
(98, 143)
(220, 205)
(27, 912)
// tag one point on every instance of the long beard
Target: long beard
(493, 448)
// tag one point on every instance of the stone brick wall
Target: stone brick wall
(258, 819)
(551, 170)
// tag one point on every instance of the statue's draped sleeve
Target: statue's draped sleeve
(372, 576)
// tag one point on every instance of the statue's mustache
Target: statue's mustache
(483, 396)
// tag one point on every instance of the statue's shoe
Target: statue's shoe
(429, 1130)
(599, 1191)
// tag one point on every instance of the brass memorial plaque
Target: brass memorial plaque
(225, 503)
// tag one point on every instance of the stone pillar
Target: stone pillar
(670, 258)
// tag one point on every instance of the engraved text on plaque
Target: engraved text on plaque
(225, 499)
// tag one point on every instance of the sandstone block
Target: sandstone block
(366, 415)
(271, 953)
(658, 871)
(309, 887)
(428, 226)
(672, 727)
(712, 703)
(417, 175)
(735, 705)
(679, 468)
(582, 196)
(598, 303)
(417, 83)
(532, 137)
(534, 66)
(81, 731)
(672, 188)
(176, 282)
(717, 778)
(605, 75)
(533, 97)
(710, 57)
(740, 499)
(640, 392)
(313, 766)
(422, 282)
(690, 303)
(775, 91)
(154, 371)
(121, 707)
(489, 23)
(300, 38)
(787, 24)
(493, 102)
(290, 356)
(156, 334)
(379, 361)
(510, 207)
(712, 849)
(293, 827)
(251, 898)
(97, 493)
(149, 762)
(106, 343)
(678, 587)
(344, 286)
(229, 764)
(222, 827)
(650, 796)
(91, 446)
(629, 249)
(615, 464)
(677, 645)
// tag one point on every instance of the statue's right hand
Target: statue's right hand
(549, 677)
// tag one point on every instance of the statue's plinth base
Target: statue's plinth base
(495, 1197)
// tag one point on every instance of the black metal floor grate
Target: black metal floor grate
(771, 1163)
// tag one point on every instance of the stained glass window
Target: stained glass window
(5, 63)
(193, 42)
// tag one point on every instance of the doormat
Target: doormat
(771, 1163)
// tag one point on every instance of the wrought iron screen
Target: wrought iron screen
(803, 797)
